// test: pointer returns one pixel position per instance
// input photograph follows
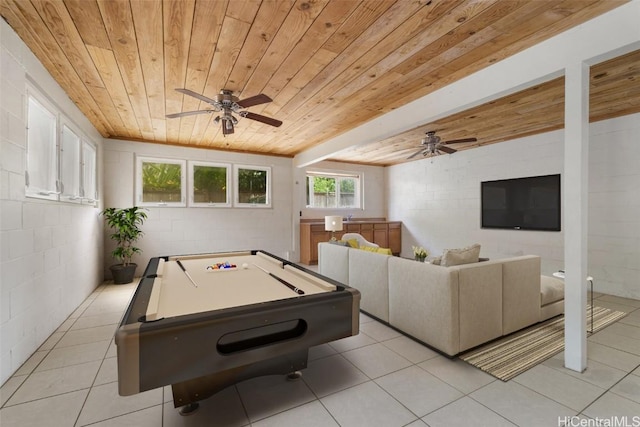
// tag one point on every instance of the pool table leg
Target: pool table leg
(295, 375)
(189, 409)
(197, 389)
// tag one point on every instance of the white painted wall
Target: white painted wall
(50, 252)
(170, 230)
(438, 201)
(373, 203)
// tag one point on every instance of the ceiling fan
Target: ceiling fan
(229, 104)
(432, 145)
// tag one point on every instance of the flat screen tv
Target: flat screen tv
(531, 203)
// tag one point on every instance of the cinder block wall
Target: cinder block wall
(438, 201)
(51, 252)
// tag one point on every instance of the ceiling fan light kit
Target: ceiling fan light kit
(229, 104)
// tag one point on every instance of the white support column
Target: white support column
(576, 187)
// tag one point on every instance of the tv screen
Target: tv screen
(522, 203)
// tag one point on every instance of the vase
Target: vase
(420, 258)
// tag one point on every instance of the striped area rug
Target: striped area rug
(514, 354)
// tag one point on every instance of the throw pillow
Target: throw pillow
(384, 251)
(353, 243)
(460, 256)
(339, 243)
(436, 260)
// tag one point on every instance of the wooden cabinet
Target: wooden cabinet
(386, 234)
(381, 234)
(310, 235)
(395, 237)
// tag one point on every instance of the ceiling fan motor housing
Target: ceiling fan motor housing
(227, 99)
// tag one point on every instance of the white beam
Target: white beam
(614, 32)
(575, 202)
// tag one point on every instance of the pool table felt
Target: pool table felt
(174, 295)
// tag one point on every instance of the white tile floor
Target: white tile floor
(378, 378)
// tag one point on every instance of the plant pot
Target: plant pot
(123, 274)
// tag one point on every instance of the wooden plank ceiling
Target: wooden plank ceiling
(328, 65)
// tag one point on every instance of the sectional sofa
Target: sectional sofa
(451, 309)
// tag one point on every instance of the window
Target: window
(42, 171)
(253, 186)
(210, 184)
(160, 182)
(69, 165)
(61, 165)
(89, 175)
(333, 190)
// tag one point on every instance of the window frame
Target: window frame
(57, 156)
(191, 184)
(64, 195)
(90, 199)
(236, 187)
(139, 187)
(53, 191)
(338, 176)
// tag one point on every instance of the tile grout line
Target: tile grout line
(92, 383)
(609, 391)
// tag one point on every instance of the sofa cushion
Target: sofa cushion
(333, 262)
(460, 256)
(551, 290)
(423, 302)
(520, 292)
(436, 261)
(369, 273)
(480, 303)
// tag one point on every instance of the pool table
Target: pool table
(203, 322)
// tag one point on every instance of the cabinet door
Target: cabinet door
(352, 228)
(305, 243)
(381, 235)
(366, 231)
(317, 237)
(395, 239)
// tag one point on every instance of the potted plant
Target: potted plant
(125, 224)
(420, 253)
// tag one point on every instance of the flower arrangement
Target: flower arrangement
(420, 253)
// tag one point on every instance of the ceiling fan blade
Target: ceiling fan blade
(254, 100)
(261, 118)
(448, 150)
(187, 113)
(458, 141)
(196, 95)
(416, 153)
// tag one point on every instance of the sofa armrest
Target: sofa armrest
(333, 262)
(423, 302)
(361, 240)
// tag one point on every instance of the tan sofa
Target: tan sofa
(452, 309)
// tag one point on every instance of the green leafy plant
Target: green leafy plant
(125, 224)
(420, 253)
